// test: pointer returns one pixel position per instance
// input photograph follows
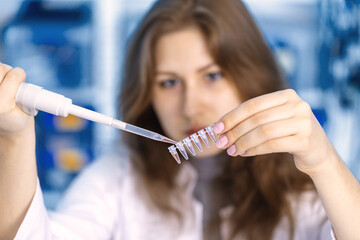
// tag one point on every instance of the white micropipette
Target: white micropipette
(31, 99)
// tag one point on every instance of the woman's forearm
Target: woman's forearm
(340, 193)
(18, 179)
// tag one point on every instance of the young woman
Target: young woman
(189, 64)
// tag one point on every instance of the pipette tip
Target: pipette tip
(168, 140)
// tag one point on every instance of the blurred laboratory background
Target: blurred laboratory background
(76, 48)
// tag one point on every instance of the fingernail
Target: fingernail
(222, 142)
(231, 150)
(219, 127)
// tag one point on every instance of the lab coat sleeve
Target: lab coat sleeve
(36, 223)
(333, 236)
(319, 220)
(326, 232)
(89, 209)
(311, 222)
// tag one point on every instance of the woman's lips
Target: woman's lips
(193, 130)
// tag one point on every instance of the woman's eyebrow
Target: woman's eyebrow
(200, 69)
(165, 73)
(168, 74)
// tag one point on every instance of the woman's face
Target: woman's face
(190, 91)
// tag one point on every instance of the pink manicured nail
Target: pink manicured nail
(219, 127)
(231, 150)
(222, 142)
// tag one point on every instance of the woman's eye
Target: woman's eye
(169, 83)
(214, 76)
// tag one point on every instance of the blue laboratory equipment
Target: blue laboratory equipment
(339, 75)
(52, 42)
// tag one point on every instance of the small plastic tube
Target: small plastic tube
(174, 153)
(195, 138)
(182, 150)
(204, 138)
(189, 146)
(211, 133)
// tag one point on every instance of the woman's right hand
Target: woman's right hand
(12, 119)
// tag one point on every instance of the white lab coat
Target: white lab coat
(104, 203)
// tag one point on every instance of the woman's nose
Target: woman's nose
(191, 101)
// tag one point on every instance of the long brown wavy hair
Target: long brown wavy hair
(255, 186)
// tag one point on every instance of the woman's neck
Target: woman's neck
(210, 167)
(210, 191)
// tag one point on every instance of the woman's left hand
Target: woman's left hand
(277, 122)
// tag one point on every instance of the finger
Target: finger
(253, 106)
(285, 111)
(291, 144)
(272, 130)
(11, 82)
(4, 69)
